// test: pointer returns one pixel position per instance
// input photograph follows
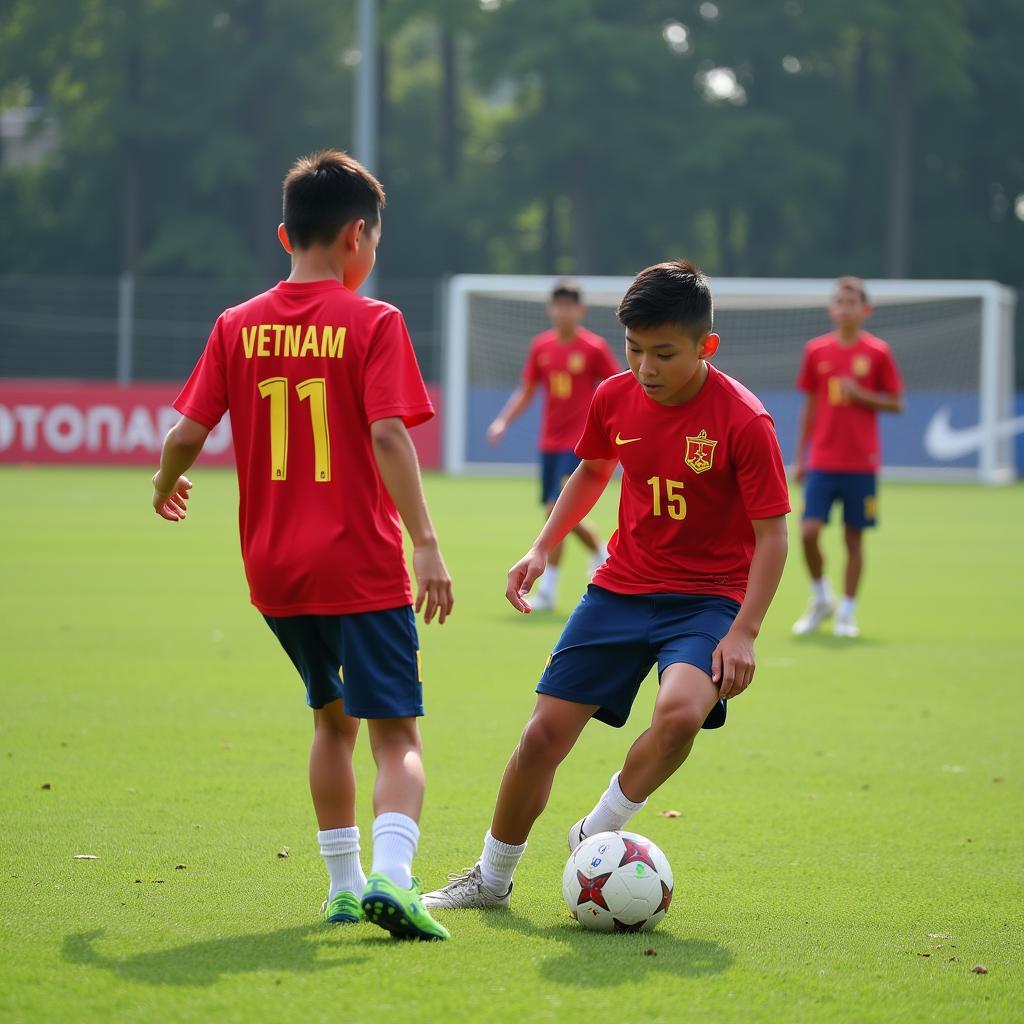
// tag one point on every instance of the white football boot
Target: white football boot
(817, 612)
(542, 601)
(576, 834)
(466, 891)
(846, 627)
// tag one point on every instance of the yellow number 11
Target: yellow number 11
(314, 391)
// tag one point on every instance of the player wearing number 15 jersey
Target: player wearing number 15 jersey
(321, 385)
(691, 571)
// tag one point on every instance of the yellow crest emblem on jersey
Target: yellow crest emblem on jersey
(700, 452)
(860, 366)
(576, 362)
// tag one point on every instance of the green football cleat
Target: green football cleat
(343, 909)
(400, 911)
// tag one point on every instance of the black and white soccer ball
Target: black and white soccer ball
(617, 882)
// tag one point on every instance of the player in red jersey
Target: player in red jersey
(690, 574)
(848, 377)
(321, 385)
(568, 362)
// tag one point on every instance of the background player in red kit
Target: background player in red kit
(568, 362)
(690, 574)
(848, 376)
(321, 384)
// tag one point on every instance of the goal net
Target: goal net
(952, 339)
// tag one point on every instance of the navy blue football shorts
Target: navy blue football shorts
(555, 469)
(612, 641)
(857, 491)
(369, 660)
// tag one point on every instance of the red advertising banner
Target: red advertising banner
(83, 423)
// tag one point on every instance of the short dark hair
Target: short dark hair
(674, 293)
(325, 191)
(853, 284)
(566, 289)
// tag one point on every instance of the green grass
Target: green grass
(849, 846)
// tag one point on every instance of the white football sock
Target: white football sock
(497, 863)
(612, 812)
(821, 590)
(847, 607)
(549, 582)
(394, 845)
(339, 848)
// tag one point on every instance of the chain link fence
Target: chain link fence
(141, 328)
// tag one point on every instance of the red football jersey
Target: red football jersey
(844, 435)
(693, 477)
(569, 372)
(304, 369)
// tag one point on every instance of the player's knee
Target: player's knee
(810, 529)
(854, 541)
(543, 741)
(332, 722)
(674, 728)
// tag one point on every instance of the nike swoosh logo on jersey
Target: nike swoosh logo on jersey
(619, 439)
(944, 441)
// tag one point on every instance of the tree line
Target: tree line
(759, 137)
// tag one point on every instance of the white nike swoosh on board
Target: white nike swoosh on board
(944, 441)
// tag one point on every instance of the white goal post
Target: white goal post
(953, 341)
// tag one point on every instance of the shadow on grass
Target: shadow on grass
(622, 958)
(204, 963)
(835, 642)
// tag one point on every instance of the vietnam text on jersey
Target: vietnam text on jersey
(304, 369)
(844, 435)
(693, 477)
(569, 372)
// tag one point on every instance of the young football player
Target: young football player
(691, 571)
(848, 376)
(321, 385)
(568, 361)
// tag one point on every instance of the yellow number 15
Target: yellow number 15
(314, 391)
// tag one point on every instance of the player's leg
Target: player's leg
(308, 641)
(859, 513)
(819, 493)
(550, 486)
(379, 654)
(595, 671)
(685, 630)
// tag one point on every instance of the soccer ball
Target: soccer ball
(617, 882)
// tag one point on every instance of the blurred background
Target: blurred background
(143, 142)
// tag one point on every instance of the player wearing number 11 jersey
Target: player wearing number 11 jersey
(321, 385)
(691, 571)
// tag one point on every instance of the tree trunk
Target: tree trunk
(898, 222)
(451, 140)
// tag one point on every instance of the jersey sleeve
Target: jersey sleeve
(595, 442)
(532, 373)
(605, 363)
(760, 472)
(806, 377)
(393, 384)
(889, 379)
(204, 398)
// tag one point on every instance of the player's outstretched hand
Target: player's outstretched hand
(496, 431)
(172, 504)
(732, 663)
(522, 576)
(434, 585)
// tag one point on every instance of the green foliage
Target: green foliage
(524, 137)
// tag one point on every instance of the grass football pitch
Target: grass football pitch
(848, 848)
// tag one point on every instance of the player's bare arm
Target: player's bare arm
(578, 497)
(400, 470)
(182, 445)
(880, 400)
(804, 436)
(733, 660)
(516, 405)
